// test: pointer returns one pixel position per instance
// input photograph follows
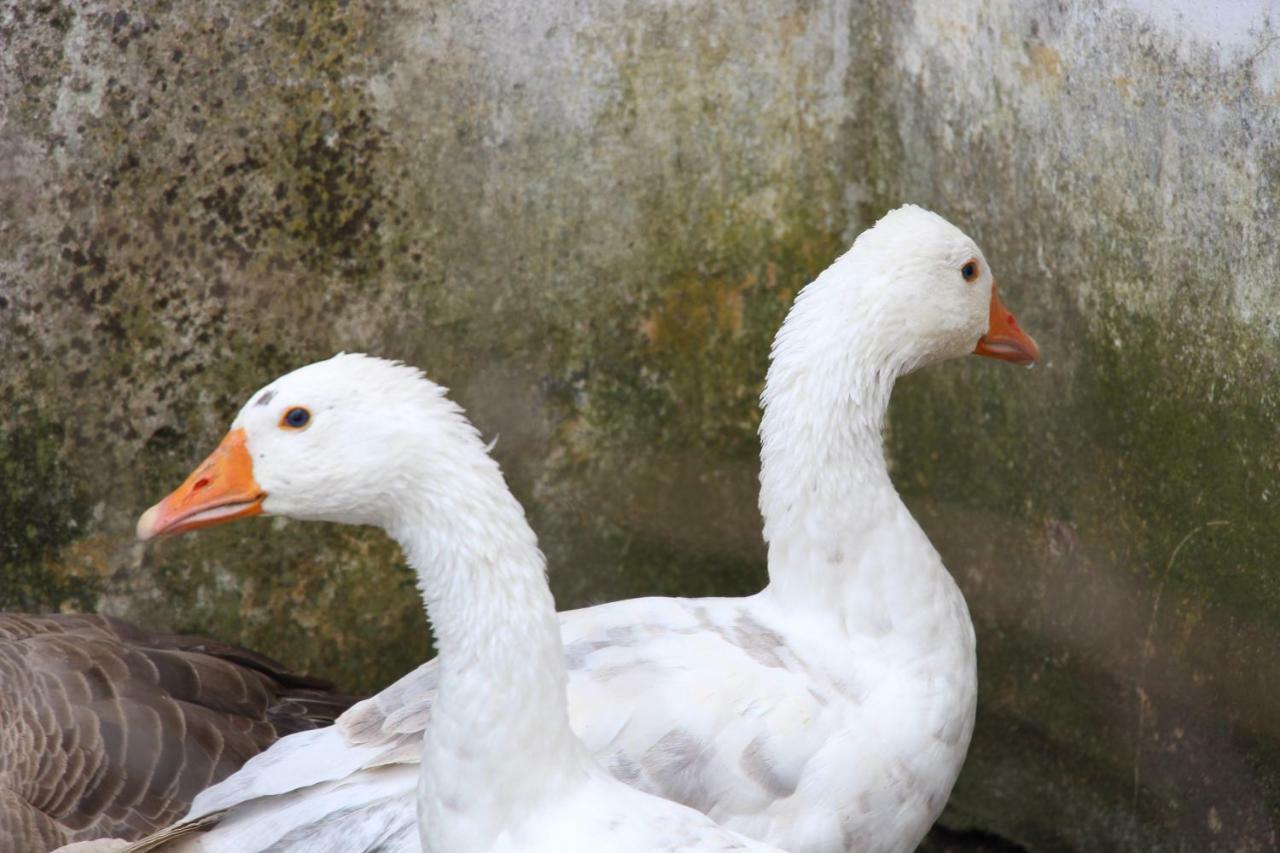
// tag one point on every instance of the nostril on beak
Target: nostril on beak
(200, 484)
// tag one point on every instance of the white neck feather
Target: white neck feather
(840, 539)
(499, 744)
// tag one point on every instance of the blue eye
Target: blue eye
(969, 270)
(296, 418)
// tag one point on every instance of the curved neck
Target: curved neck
(499, 739)
(839, 535)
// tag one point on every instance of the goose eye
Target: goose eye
(969, 270)
(295, 418)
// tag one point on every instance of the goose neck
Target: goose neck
(834, 522)
(499, 739)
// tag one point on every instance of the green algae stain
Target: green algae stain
(43, 510)
(326, 598)
(1191, 419)
(1162, 429)
(685, 368)
(650, 488)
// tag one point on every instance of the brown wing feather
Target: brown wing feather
(107, 730)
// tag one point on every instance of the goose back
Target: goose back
(108, 730)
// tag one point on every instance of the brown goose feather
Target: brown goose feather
(109, 731)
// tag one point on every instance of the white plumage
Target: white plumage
(830, 712)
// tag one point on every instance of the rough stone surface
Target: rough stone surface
(588, 219)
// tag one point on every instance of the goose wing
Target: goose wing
(692, 699)
(111, 731)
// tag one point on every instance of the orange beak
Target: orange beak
(221, 489)
(1005, 339)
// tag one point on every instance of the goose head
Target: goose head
(912, 290)
(353, 439)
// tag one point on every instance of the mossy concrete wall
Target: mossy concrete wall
(588, 219)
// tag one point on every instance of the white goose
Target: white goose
(831, 711)
(359, 440)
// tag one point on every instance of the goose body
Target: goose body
(107, 730)
(831, 711)
(366, 441)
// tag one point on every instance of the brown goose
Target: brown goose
(107, 730)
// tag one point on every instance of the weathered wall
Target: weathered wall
(588, 219)
(1112, 516)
